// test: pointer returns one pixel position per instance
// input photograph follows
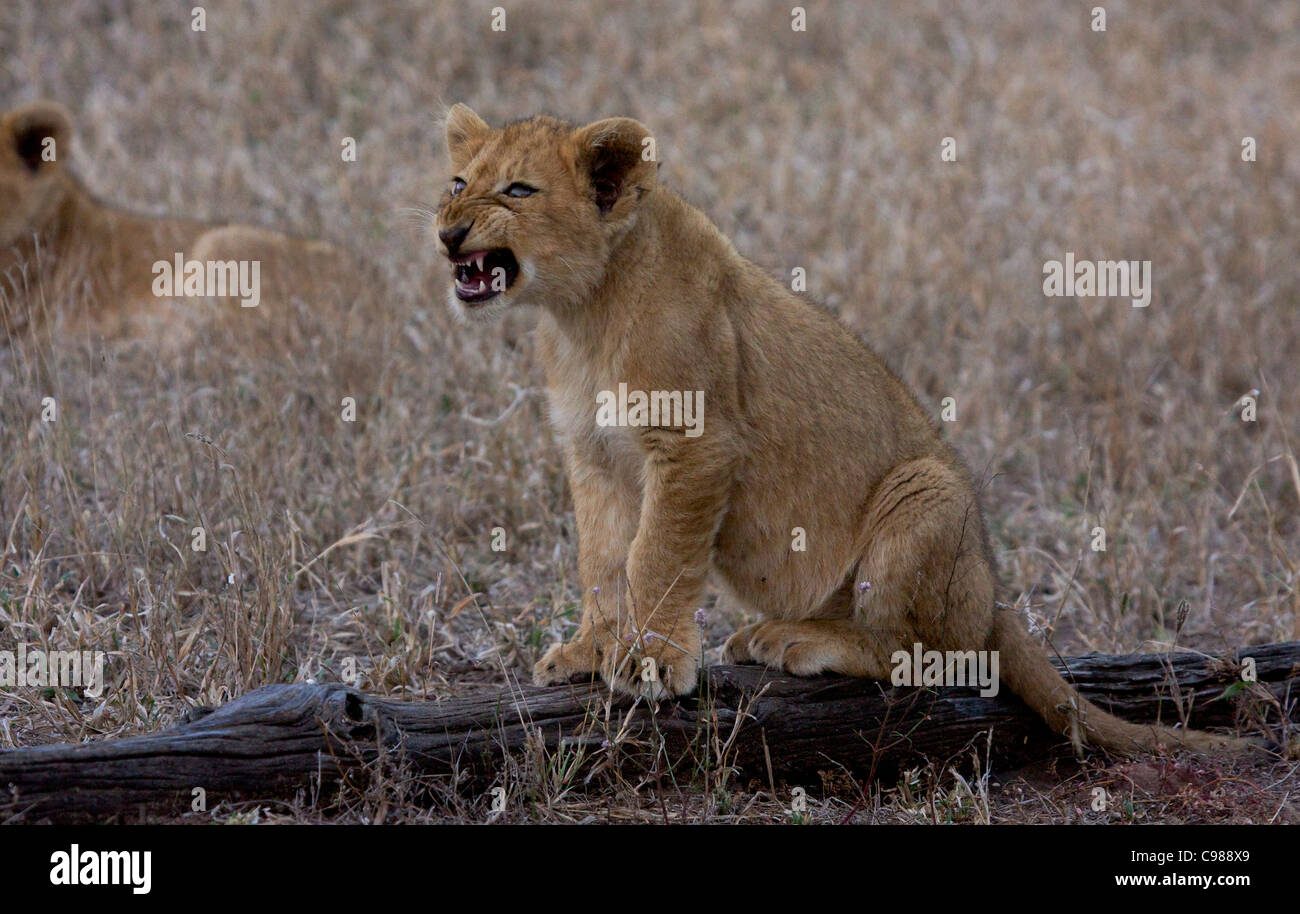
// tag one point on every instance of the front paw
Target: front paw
(652, 668)
(564, 662)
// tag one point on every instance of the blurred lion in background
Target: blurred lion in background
(72, 263)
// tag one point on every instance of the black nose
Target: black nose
(452, 237)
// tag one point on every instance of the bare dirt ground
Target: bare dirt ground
(368, 544)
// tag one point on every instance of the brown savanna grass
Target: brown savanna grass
(369, 542)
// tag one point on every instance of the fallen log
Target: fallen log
(769, 726)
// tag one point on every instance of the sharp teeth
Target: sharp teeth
(478, 262)
(482, 287)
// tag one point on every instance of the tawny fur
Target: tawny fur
(97, 260)
(804, 427)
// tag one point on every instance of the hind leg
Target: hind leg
(811, 646)
(926, 569)
(924, 577)
(829, 640)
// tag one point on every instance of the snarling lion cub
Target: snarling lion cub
(802, 429)
(82, 251)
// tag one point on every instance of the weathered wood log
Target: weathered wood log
(768, 725)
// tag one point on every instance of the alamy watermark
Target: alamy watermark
(27, 667)
(181, 278)
(639, 408)
(1098, 279)
(77, 867)
(920, 667)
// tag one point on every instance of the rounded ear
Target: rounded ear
(466, 132)
(618, 156)
(40, 132)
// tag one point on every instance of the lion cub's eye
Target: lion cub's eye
(520, 190)
(457, 185)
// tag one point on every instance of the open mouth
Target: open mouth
(482, 275)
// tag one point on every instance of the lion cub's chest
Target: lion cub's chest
(573, 410)
(573, 391)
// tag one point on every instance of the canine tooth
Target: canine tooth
(478, 262)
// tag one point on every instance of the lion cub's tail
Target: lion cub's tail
(1025, 669)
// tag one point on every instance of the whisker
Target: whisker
(419, 214)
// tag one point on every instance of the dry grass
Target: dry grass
(369, 542)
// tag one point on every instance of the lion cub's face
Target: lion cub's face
(33, 143)
(533, 209)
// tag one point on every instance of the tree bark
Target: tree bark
(770, 726)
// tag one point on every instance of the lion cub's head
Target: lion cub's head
(533, 209)
(33, 144)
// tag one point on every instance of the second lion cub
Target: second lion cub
(98, 263)
(802, 427)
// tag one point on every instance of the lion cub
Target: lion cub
(795, 432)
(102, 263)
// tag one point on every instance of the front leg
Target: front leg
(685, 493)
(606, 511)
